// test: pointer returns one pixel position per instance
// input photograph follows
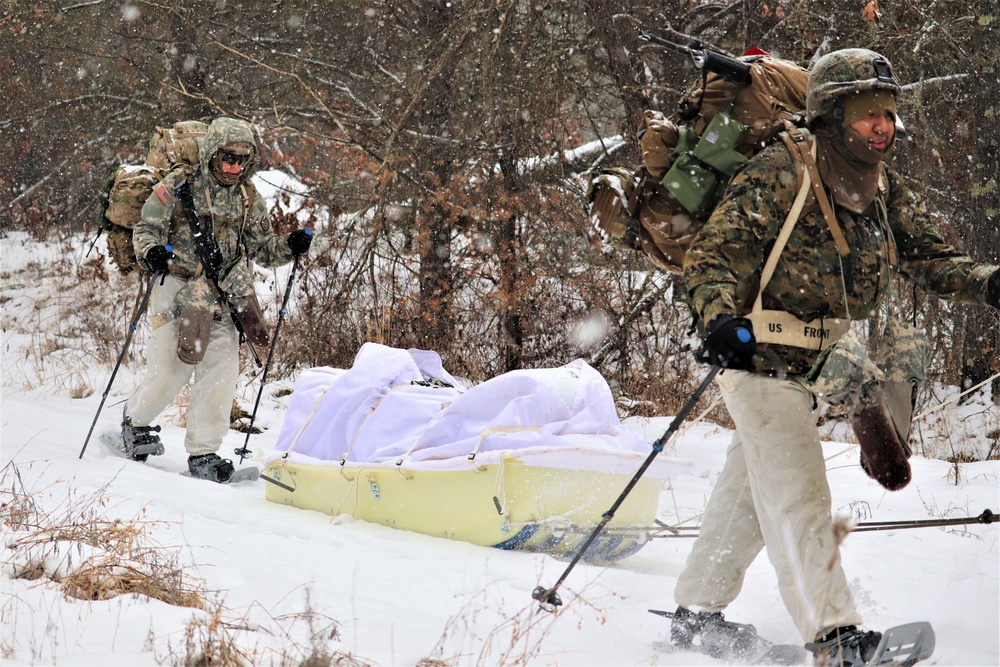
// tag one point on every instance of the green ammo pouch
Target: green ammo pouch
(695, 178)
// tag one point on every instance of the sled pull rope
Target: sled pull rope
(955, 398)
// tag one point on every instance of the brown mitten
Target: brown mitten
(194, 335)
(883, 456)
(252, 320)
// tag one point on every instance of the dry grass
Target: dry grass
(73, 544)
(75, 316)
(208, 640)
(88, 555)
(516, 639)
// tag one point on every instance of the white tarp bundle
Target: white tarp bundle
(400, 407)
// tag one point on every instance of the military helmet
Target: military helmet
(846, 71)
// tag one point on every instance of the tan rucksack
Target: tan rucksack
(688, 159)
(129, 186)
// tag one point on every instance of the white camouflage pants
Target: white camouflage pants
(772, 493)
(215, 377)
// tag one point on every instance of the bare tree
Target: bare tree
(446, 140)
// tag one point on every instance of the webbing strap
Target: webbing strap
(495, 430)
(808, 159)
(779, 327)
(308, 418)
(785, 233)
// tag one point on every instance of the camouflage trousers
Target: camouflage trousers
(214, 378)
(772, 494)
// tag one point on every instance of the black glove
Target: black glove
(299, 240)
(993, 289)
(730, 343)
(159, 258)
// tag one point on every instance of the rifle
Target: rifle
(210, 256)
(707, 60)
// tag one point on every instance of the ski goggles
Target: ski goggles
(234, 158)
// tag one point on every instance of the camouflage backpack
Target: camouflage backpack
(689, 158)
(120, 202)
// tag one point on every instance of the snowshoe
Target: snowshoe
(846, 646)
(900, 645)
(713, 635)
(211, 467)
(139, 442)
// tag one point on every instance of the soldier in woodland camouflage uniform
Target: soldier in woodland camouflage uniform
(772, 492)
(193, 331)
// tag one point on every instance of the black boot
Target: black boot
(845, 647)
(139, 442)
(211, 467)
(713, 635)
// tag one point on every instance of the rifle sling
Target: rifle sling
(184, 195)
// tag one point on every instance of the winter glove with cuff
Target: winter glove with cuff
(993, 289)
(730, 343)
(159, 257)
(299, 240)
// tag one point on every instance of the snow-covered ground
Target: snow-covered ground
(285, 583)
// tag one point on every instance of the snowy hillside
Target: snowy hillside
(278, 585)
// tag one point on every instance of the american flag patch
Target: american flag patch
(163, 194)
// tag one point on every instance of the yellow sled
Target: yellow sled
(508, 504)
(529, 460)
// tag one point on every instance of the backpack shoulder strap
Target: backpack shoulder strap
(791, 136)
(803, 150)
(249, 193)
(805, 180)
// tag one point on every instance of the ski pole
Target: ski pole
(986, 516)
(128, 339)
(548, 596)
(243, 451)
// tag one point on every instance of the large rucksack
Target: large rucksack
(120, 202)
(689, 158)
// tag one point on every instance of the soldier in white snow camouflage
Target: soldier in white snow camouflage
(772, 493)
(193, 330)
